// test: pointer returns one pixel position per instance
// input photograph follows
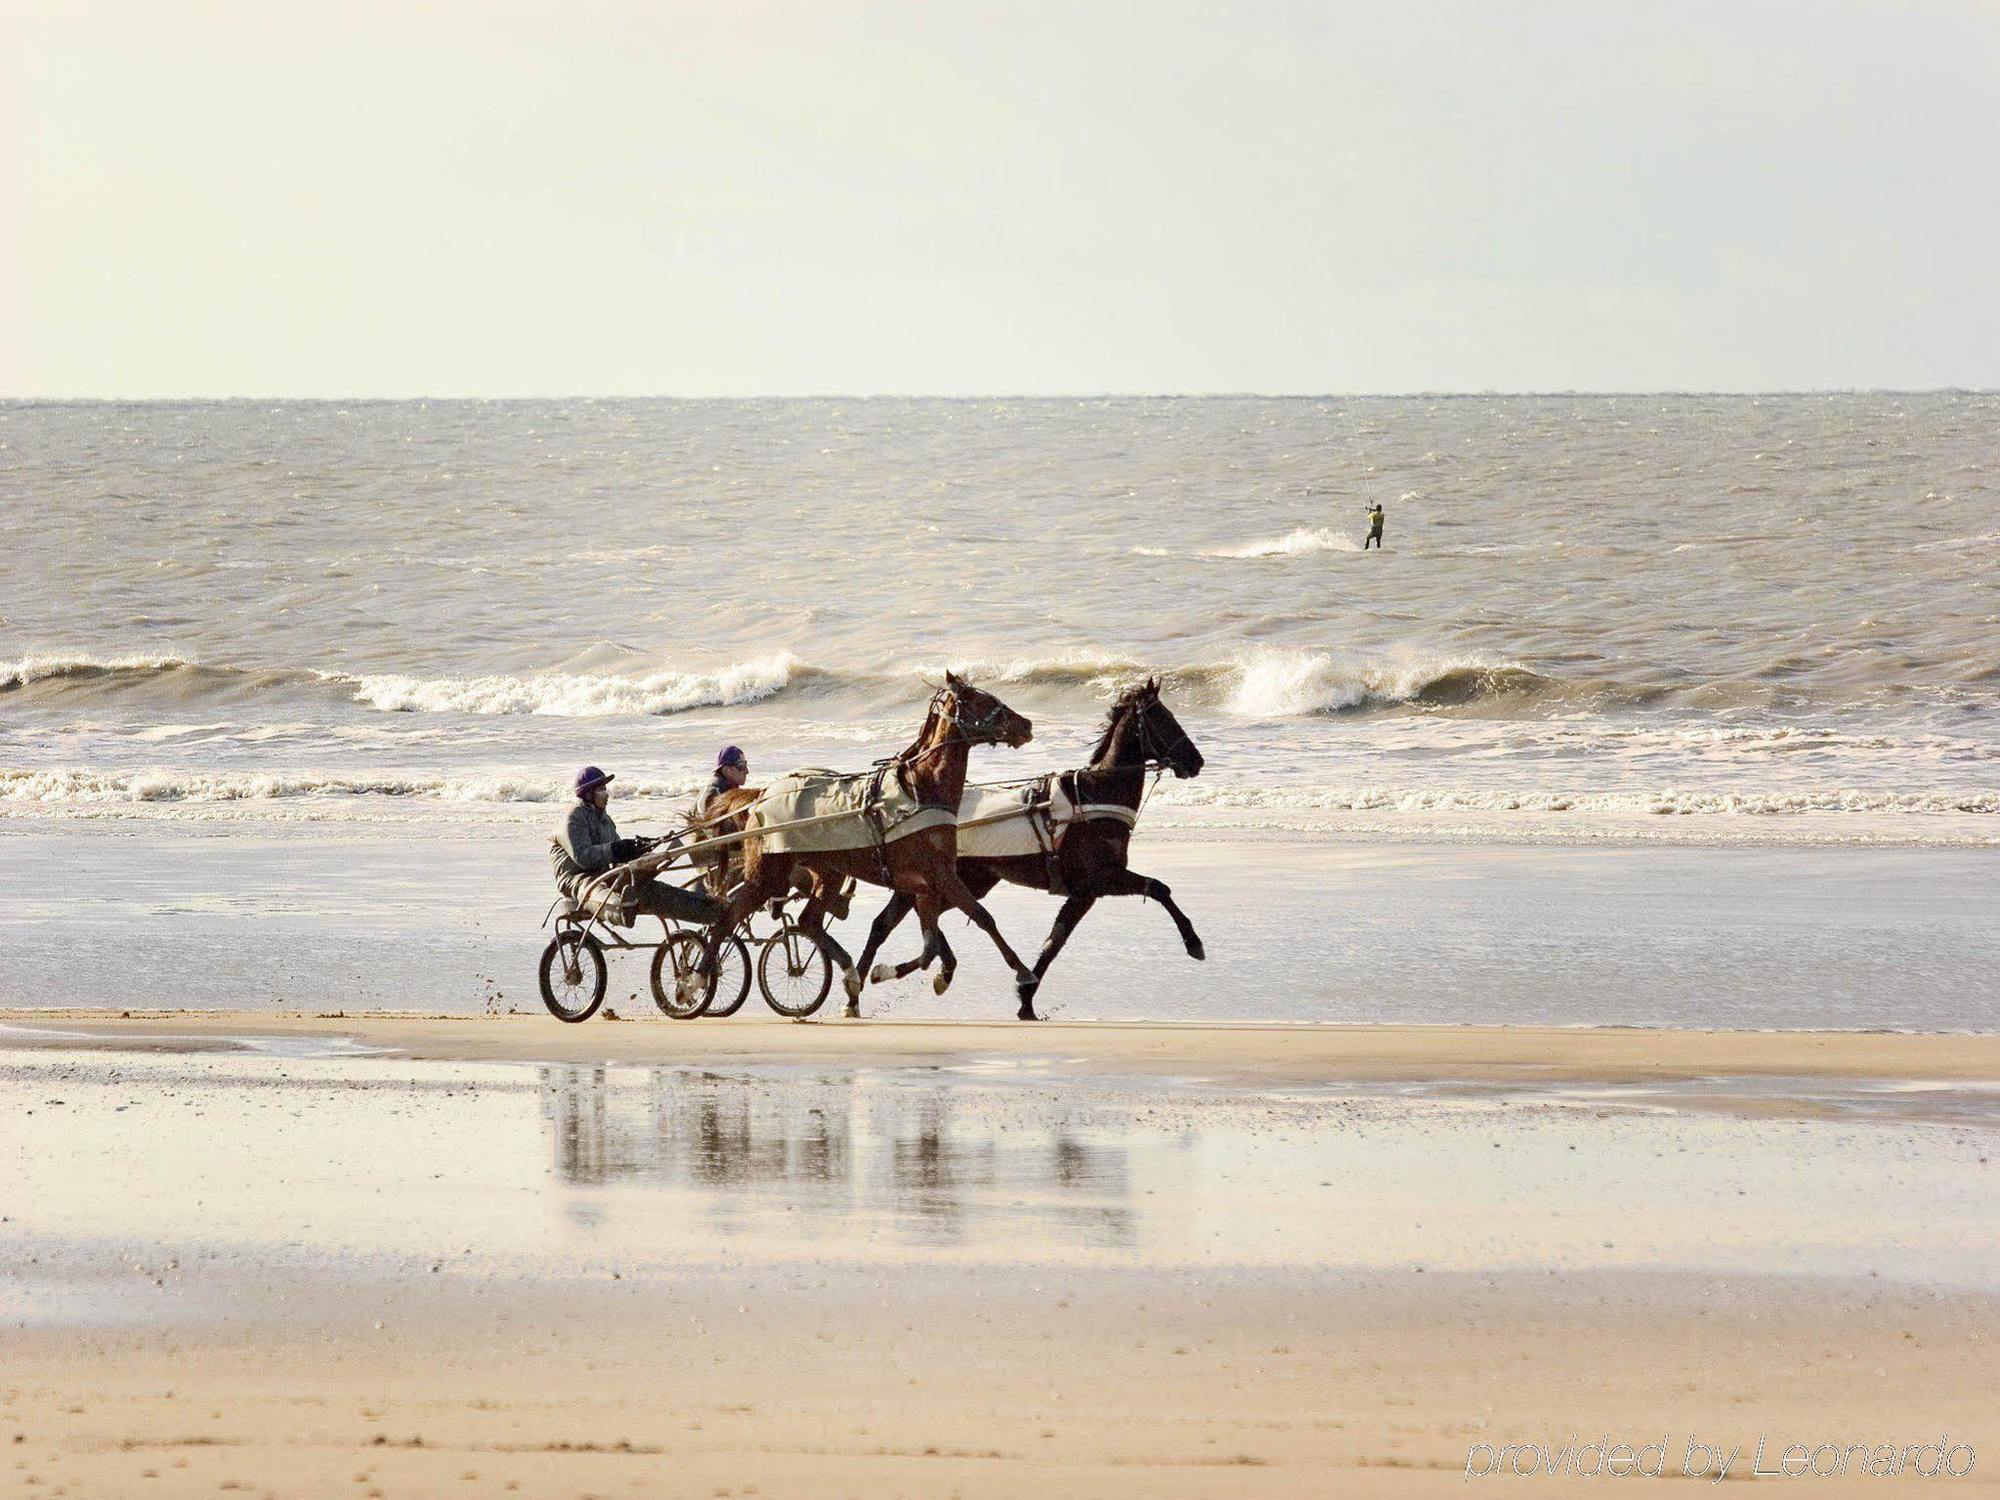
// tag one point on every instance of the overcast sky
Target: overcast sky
(302, 198)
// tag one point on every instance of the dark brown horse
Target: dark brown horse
(1089, 863)
(922, 867)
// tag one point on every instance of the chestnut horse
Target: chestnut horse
(921, 868)
(1140, 733)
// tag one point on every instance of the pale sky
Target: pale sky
(316, 199)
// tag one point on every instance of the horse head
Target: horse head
(977, 717)
(1159, 734)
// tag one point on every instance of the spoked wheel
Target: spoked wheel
(732, 978)
(678, 987)
(794, 971)
(573, 975)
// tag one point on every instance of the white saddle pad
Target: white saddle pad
(1004, 822)
(842, 799)
(998, 822)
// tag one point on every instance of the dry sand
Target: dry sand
(186, 1313)
(932, 1385)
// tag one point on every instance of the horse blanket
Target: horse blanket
(862, 811)
(1006, 822)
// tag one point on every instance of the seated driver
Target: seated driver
(589, 845)
(732, 769)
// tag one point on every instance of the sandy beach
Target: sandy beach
(400, 1255)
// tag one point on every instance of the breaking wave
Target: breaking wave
(178, 680)
(1266, 684)
(73, 669)
(590, 695)
(1289, 684)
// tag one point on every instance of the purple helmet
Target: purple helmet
(731, 756)
(589, 779)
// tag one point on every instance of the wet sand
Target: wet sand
(241, 909)
(1245, 1052)
(407, 1257)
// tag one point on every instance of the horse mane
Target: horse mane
(904, 759)
(1113, 717)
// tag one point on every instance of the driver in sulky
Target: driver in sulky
(589, 845)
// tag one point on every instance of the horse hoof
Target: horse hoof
(1026, 1013)
(881, 974)
(853, 1011)
(941, 981)
(1196, 951)
(853, 982)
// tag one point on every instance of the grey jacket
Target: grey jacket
(587, 844)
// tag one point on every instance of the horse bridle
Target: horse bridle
(985, 730)
(1152, 758)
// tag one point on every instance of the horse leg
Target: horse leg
(812, 917)
(1072, 913)
(1132, 883)
(979, 882)
(758, 887)
(928, 909)
(940, 950)
(886, 922)
(954, 893)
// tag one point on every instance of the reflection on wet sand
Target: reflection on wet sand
(916, 1163)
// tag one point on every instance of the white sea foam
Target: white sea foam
(591, 695)
(1664, 802)
(1297, 542)
(82, 785)
(1294, 543)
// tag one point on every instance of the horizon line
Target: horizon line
(1440, 394)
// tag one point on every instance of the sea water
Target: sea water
(1694, 619)
(1723, 607)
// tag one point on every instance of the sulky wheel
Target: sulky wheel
(732, 979)
(678, 987)
(573, 975)
(794, 971)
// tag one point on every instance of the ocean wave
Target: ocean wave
(1095, 672)
(572, 694)
(1666, 802)
(1293, 684)
(35, 669)
(86, 786)
(164, 679)
(589, 695)
(1274, 683)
